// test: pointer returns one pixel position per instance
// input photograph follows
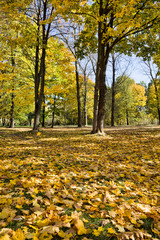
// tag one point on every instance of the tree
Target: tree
(13, 74)
(130, 101)
(116, 21)
(69, 37)
(124, 98)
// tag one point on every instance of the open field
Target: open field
(65, 183)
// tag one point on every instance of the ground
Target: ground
(65, 183)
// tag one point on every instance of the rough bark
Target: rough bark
(100, 85)
(78, 96)
(102, 102)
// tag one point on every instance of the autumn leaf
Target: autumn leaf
(98, 231)
(5, 237)
(111, 231)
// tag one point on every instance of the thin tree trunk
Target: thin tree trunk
(53, 113)
(12, 110)
(96, 96)
(85, 100)
(11, 125)
(37, 77)
(127, 117)
(113, 91)
(157, 98)
(43, 114)
(78, 96)
(3, 121)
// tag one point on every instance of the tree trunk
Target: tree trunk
(102, 102)
(37, 77)
(157, 98)
(3, 121)
(78, 96)
(12, 110)
(40, 73)
(85, 100)
(53, 113)
(127, 117)
(11, 125)
(43, 113)
(100, 85)
(96, 97)
(113, 91)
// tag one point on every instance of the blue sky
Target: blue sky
(132, 66)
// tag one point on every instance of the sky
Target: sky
(132, 66)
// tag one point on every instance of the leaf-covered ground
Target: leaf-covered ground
(68, 184)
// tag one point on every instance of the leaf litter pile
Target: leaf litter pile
(69, 184)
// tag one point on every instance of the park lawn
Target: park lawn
(65, 183)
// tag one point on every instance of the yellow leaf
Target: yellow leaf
(61, 234)
(97, 232)
(5, 213)
(5, 237)
(50, 229)
(19, 235)
(43, 223)
(46, 236)
(79, 226)
(112, 214)
(111, 230)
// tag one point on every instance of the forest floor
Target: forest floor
(65, 183)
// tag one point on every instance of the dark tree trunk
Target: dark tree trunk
(102, 102)
(127, 117)
(85, 100)
(113, 91)
(3, 121)
(53, 113)
(43, 113)
(100, 85)
(40, 73)
(37, 77)
(78, 96)
(157, 98)
(96, 96)
(11, 125)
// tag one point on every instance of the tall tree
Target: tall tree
(43, 12)
(69, 34)
(116, 21)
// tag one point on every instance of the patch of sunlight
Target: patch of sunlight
(47, 139)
